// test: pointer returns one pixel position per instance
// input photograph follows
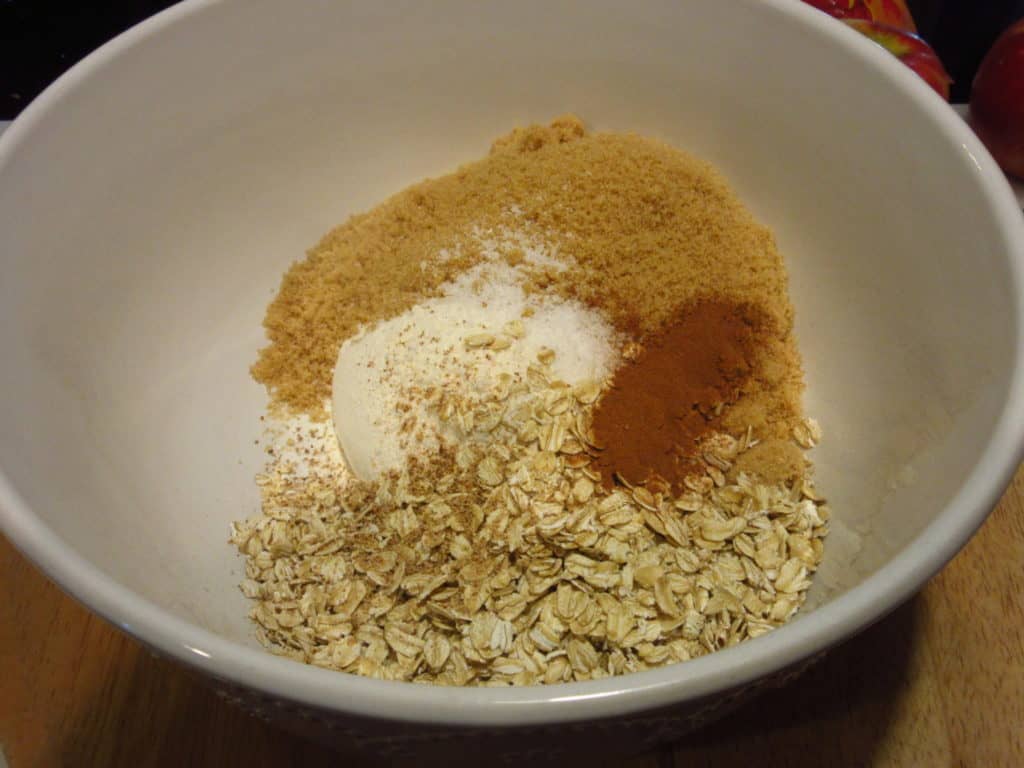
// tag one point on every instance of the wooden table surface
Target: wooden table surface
(940, 682)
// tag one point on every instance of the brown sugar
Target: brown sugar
(642, 228)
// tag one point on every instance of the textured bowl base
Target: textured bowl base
(408, 744)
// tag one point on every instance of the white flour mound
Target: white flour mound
(383, 373)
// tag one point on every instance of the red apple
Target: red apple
(910, 49)
(892, 12)
(997, 100)
(842, 9)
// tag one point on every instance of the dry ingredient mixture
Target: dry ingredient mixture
(532, 517)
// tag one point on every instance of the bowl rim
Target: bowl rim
(809, 634)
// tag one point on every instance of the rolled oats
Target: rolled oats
(505, 561)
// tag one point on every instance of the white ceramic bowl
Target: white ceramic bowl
(151, 199)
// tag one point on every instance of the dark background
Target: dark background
(39, 39)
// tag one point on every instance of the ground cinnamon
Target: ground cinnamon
(677, 390)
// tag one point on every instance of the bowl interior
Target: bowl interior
(148, 210)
